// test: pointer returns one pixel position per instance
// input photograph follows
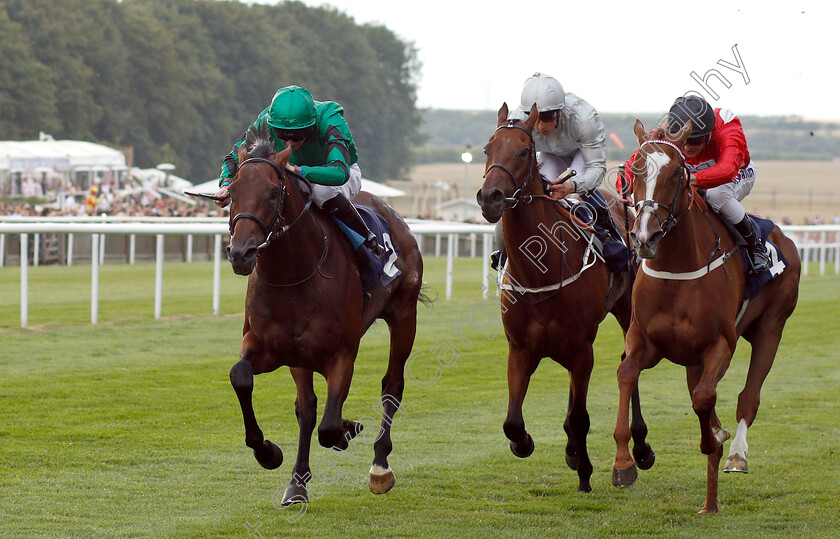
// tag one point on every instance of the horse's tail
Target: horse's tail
(425, 296)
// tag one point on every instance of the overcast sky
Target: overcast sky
(621, 56)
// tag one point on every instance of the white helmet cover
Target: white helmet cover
(543, 90)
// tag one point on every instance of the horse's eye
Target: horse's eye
(485, 150)
(523, 153)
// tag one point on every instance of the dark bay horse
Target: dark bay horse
(305, 309)
(554, 303)
(688, 304)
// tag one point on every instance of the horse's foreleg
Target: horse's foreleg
(642, 452)
(306, 404)
(703, 399)
(334, 431)
(693, 374)
(242, 378)
(578, 417)
(403, 331)
(765, 344)
(520, 369)
(638, 356)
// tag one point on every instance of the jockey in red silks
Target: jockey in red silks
(716, 153)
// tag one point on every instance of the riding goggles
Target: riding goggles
(296, 135)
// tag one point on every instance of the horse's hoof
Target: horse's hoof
(644, 457)
(572, 462)
(585, 487)
(735, 463)
(269, 455)
(293, 494)
(721, 435)
(524, 449)
(351, 428)
(381, 483)
(707, 510)
(624, 478)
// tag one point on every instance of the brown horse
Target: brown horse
(552, 305)
(305, 309)
(688, 304)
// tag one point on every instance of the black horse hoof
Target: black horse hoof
(269, 455)
(523, 449)
(293, 494)
(624, 478)
(644, 457)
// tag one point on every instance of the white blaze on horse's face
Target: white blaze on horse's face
(656, 161)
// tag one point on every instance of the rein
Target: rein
(270, 232)
(508, 203)
(650, 206)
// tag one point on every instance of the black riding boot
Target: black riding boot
(604, 220)
(758, 256)
(340, 207)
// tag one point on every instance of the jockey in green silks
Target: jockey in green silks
(323, 152)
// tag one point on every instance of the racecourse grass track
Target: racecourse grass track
(129, 428)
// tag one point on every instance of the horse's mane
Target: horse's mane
(258, 142)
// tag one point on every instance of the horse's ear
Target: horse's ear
(683, 134)
(531, 120)
(639, 131)
(242, 153)
(502, 116)
(280, 159)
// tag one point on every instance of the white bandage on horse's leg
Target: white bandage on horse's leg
(739, 443)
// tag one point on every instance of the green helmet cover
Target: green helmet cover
(291, 108)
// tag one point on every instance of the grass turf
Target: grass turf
(130, 428)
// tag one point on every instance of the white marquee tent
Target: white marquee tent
(59, 155)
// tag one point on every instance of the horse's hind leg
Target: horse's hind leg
(403, 330)
(306, 405)
(765, 344)
(242, 378)
(520, 369)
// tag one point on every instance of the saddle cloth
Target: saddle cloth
(756, 282)
(380, 271)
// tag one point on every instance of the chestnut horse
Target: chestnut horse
(688, 304)
(551, 307)
(305, 308)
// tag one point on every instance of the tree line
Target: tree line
(179, 80)
(448, 132)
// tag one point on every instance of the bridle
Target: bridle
(650, 206)
(508, 203)
(271, 231)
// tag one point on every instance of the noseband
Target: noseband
(650, 206)
(271, 231)
(511, 202)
